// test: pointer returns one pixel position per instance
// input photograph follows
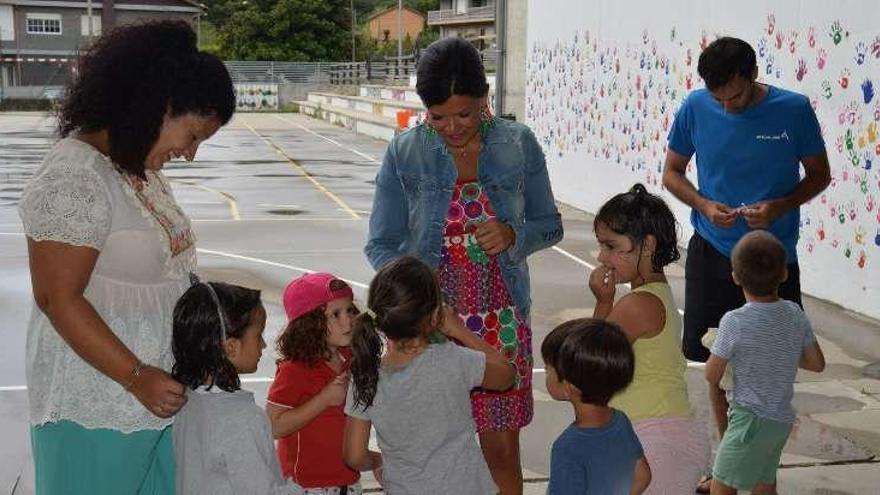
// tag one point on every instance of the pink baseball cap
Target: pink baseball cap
(306, 293)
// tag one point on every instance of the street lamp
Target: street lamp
(353, 24)
(399, 30)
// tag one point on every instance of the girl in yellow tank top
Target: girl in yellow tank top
(637, 238)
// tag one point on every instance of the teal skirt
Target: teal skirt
(74, 460)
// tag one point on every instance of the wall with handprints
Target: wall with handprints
(605, 78)
(252, 97)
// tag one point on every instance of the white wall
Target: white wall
(604, 79)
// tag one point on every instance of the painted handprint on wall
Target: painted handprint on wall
(867, 91)
(762, 47)
(836, 33)
(826, 90)
(801, 70)
(861, 53)
(844, 78)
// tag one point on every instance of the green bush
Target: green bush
(27, 105)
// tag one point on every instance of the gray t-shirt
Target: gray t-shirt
(764, 343)
(222, 446)
(424, 425)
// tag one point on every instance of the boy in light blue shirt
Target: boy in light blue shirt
(587, 362)
(766, 341)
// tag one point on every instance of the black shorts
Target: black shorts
(709, 292)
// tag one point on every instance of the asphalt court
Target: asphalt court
(272, 196)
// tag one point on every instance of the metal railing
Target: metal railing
(316, 74)
(475, 14)
(279, 72)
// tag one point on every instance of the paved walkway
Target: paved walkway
(273, 195)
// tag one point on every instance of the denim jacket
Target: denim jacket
(414, 188)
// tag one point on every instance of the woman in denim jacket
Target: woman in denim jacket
(469, 194)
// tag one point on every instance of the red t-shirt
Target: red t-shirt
(313, 455)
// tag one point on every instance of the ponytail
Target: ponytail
(366, 349)
(636, 214)
(402, 297)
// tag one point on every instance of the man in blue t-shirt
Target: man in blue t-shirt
(750, 140)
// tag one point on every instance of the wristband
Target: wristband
(135, 373)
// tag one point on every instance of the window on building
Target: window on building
(43, 24)
(96, 25)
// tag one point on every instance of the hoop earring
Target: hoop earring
(487, 120)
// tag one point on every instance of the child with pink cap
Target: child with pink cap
(306, 399)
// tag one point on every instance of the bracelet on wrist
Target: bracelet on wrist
(133, 376)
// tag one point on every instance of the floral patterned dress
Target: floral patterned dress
(472, 283)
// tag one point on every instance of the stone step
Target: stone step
(365, 123)
(392, 93)
(376, 106)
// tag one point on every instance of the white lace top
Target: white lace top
(146, 249)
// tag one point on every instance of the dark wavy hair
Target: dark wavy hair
(199, 357)
(593, 355)
(637, 214)
(723, 60)
(758, 261)
(132, 76)
(403, 295)
(450, 66)
(305, 338)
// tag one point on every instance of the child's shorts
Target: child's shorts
(353, 489)
(750, 450)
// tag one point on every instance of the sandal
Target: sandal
(705, 484)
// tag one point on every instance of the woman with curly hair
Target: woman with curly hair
(110, 253)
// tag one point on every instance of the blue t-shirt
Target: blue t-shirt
(747, 157)
(764, 342)
(598, 461)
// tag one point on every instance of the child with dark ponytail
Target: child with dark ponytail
(417, 394)
(637, 237)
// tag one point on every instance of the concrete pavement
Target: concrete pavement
(273, 195)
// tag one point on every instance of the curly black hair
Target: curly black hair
(197, 343)
(136, 74)
(637, 214)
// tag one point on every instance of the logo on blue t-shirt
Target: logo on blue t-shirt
(767, 137)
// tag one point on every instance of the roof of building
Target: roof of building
(389, 9)
(97, 4)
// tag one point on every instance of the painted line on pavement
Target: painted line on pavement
(336, 199)
(585, 263)
(228, 198)
(329, 140)
(273, 263)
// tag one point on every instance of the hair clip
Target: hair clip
(369, 312)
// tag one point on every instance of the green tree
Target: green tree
(294, 30)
